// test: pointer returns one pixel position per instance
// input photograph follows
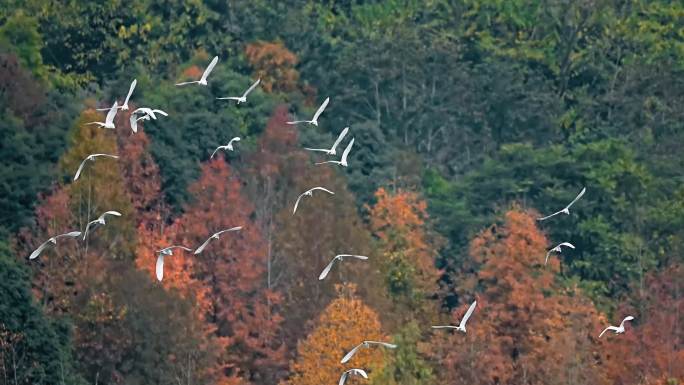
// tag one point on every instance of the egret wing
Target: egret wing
(202, 246)
(80, 168)
(546, 260)
(346, 151)
(252, 87)
(112, 113)
(584, 189)
(160, 112)
(210, 68)
(467, 315)
(215, 151)
(298, 121)
(85, 233)
(325, 271)
(385, 344)
(160, 267)
(445, 327)
(350, 354)
(229, 98)
(134, 123)
(317, 149)
(130, 91)
(321, 109)
(39, 250)
(549, 216)
(353, 256)
(297, 204)
(72, 234)
(185, 83)
(339, 138)
(343, 378)
(608, 328)
(323, 189)
(236, 228)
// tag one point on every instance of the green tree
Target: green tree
(33, 348)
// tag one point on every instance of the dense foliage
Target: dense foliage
(470, 119)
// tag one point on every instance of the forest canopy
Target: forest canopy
(470, 119)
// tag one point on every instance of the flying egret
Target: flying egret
(331, 151)
(243, 98)
(215, 236)
(557, 249)
(99, 221)
(318, 113)
(566, 210)
(365, 344)
(91, 158)
(203, 79)
(53, 240)
(339, 257)
(462, 326)
(124, 106)
(160, 259)
(619, 329)
(354, 372)
(109, 119)
(147, 114)
(309, 193)
(343, 161)
(228, 146)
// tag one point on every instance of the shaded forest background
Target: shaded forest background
(471, 117)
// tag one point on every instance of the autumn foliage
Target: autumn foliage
(242, 309)
(408, 250)
(525, 330)
(274, 64)
(658, 332)
(342, 325)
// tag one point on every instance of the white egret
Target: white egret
(318, 113)
(203, 79)
(365, 344)
(617, 329)
(243, 98)
(91, 158)
(309, 193)
(147, 114)
(109, 119)
(160, 258)
(215, 236)
(124, 106)
(566, 210)
(339, 257)
(557, 249)
(352, 372)
(331, 151)
(53, 240)
(343, 161)
(99, 221)
(462, 326)
(228, 146)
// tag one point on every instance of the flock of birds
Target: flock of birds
(145, 113)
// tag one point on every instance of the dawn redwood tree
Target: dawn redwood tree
(652, 349)
(343, 324)
(525, 329)
(296, 254)
(243, 310)
(407, 251)
(274, 64)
